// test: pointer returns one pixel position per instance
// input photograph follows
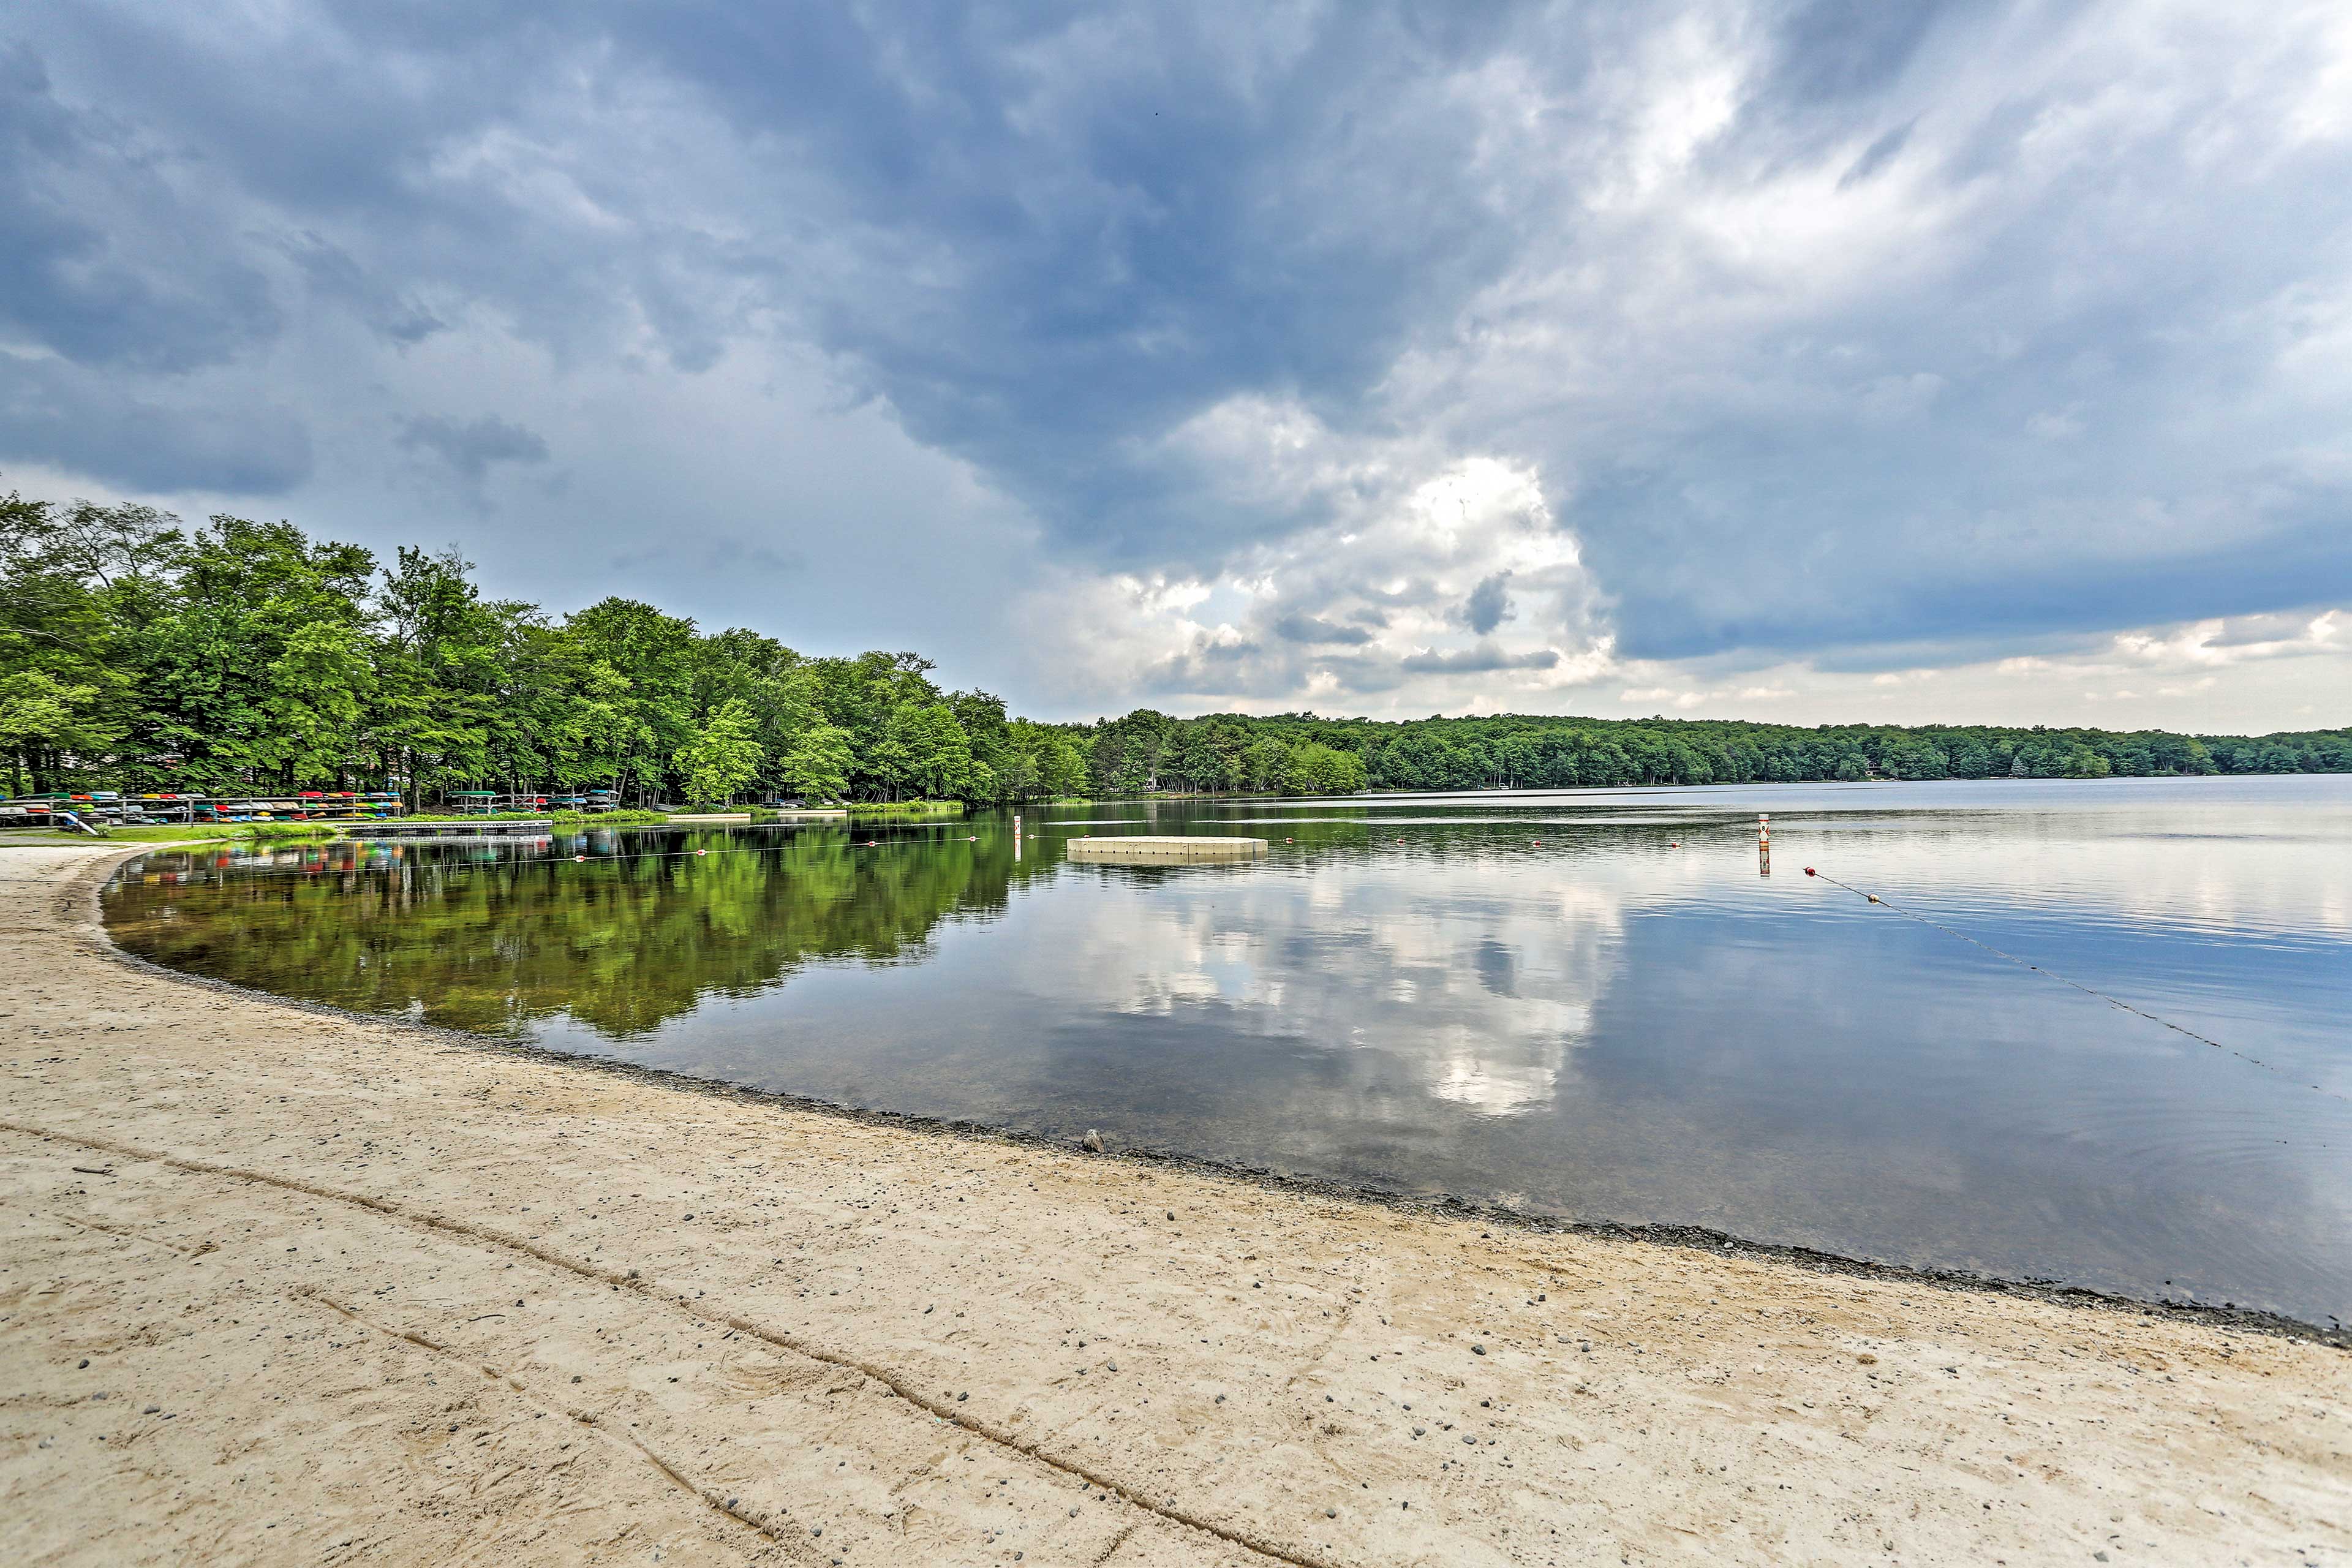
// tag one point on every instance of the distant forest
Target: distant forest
(137, 653)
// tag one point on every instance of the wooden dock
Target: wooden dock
(1139, 850)
(403, 828)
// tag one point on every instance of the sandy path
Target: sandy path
(276, 1287)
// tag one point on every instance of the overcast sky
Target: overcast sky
(1851, 360)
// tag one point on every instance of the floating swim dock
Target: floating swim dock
(1137, 849)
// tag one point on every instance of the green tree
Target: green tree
(819, 763)
(1195, 763)
(258, 674)
(1910, 757)
(1317, 769)
(40, 718)
(450, 707)
(724, 758)
(939, 757)
(80, 587)
(639, 663)
(988, 736)
(1062, 767)
(1020, 773)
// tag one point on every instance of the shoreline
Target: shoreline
(893, 1361)
(1692, 1237)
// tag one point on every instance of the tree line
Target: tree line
(241, 655)
(137, 652)
(1302, 753)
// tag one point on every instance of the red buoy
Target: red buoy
(580, 856)
(1809, 870)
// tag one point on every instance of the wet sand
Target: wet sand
(279, 1285)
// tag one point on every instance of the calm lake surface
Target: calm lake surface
(1625, 1022)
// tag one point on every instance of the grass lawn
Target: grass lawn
(906, 808)
(167, 833)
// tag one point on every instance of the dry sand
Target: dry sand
(280, 1285)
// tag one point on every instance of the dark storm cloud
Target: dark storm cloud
(1878, 155)
(1828, 52)
(1826, 327)
(333, 274)
(105, 262)
(1482, 659)
(472, 446)
(1091, 225)
(61, 415)
(1315, 631)
(1489, 605)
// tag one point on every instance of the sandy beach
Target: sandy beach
(279, 1285)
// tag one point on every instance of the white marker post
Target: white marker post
(1763, 843)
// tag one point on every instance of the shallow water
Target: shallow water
(1625, 1022)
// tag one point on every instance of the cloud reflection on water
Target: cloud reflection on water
(1296, 956)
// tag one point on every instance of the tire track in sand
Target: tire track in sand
(1171, 1512)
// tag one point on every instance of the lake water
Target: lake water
(1623, 1022)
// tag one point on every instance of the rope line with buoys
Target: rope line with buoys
(2086, 990)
